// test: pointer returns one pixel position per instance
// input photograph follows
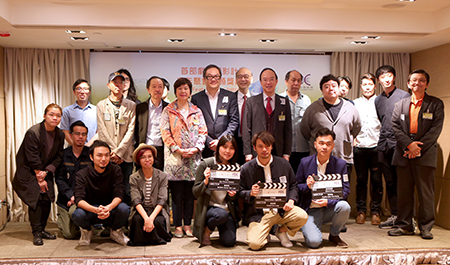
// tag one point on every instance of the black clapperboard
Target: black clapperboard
(327, 186)
(224, 177)
(271, 195)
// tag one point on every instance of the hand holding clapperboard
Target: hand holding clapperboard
(327, 186)
(224, 177)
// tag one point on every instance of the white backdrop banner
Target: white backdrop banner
(190, 65)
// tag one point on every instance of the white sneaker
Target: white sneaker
(285, 242)
(85, 239)
(119, 237)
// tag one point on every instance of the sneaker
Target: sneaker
(285, 242)
(119, 236)
(389, 223)
(85, 238)
(400, 232)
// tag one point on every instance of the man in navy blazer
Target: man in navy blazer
(417, 123)
(268, 112)
(219, 107)
(322, 211)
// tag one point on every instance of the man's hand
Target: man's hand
(255, 189)
(321, 202)
(43, 186)
(414, 150)
(286, 157)
(310, 181)
(40, 175)
(102, 212)
(248, 158)
(116, 159)
(231, 193)
(213, 144)
(71, 201)
(289, 205)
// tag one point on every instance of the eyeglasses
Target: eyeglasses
(82, 89)
(243, 76)
(211, 77)
(80, 133)
(127, 79)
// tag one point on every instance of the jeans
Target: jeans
(118, 217)
(220, 218)
(337, 215)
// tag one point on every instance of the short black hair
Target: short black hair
(79, 81)
(265, 69)
(78, 123)
(182, 81)
(327, 78)
(325, 132)
(265, 136)
(422, 72)
(166, 83)
(384, 69)
(346, 79)
(96, 144)
(150, 80)
(370, 77)
(209, 67)
(222, 141)
(288, 75)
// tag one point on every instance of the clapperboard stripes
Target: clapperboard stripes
(224, 177)
(271, 195)
(327, 186)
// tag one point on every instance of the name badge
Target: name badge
(427, 116)
(402, 117)
(283, 101)
(222, 112)
(283, 179)
(121, 121)
(107, 116)
(282, 117)
(225, 99)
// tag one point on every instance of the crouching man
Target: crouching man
(99, 191)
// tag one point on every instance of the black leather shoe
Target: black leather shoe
(47, 235)
(426, 235)
(400, 232)
(37, 239)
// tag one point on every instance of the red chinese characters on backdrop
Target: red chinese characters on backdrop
(195, 75)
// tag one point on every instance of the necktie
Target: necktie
(268, 106)
(242, 112)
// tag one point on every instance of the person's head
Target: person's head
(212, 76)
(418, 81)
(116, 83)
(345, 84)
(329, 85)
(166, 88)
(263, 143)
(368, 82)
(155, 87)
(244, 78)
(100, 154)
(269, 80)
(386, 76)
(82, 90)
(227, 150)
(324, 142)
(293, 81)
(78, 133)
(144, 155)
(129, 89)
(52, 115)
(183, 88)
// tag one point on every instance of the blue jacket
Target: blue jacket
(308, 166)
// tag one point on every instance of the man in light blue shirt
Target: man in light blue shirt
(81, 110)
(298, 102)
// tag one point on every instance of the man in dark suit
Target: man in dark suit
(417, 123)
(268, 112)
(150, 110)
(219, 107)
(244, 78)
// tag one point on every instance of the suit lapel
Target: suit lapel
(405, 111)
(205, 100)
(425, 106)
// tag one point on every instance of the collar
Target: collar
(268, 164)
(415, 100)
(266, 96)
(212, 96)
(150, 103)
(241, 95)
(324, 164)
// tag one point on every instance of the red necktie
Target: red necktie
(242, 111)
(268, 106)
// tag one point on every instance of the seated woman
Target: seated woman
(215, 208)
(148, 186)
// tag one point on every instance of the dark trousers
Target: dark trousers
(127, 170)
(366, 160)
(159, 235)
(349, 171)
(118, 217)
(241, 156)
(220, 218)
(39, 216)
(295, 159)
(182, 201)
(159, 159)
(390, 177)
(422, 178)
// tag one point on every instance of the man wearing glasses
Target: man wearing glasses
(81, 110)
(219, 107)
(244, 78)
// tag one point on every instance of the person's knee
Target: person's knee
(228, 242)
(255, 245)
(123, 210)
(314, 243)
(343, 207)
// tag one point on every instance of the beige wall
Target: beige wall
(2, 138)
(436, 61)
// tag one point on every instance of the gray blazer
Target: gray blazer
(141, 125)
(254, 121)
(430, 122)
(158, 192)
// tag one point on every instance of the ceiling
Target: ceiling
(298, 26)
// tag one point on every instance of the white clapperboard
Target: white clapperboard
(271, 195)
(327, 186)
(224, 177)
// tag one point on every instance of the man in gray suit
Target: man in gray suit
(417, 123)
(268, 112)
(219, 107)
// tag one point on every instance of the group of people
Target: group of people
(275, 138)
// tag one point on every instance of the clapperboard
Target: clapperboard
(327, 186)
(271, 195)
(224, 177)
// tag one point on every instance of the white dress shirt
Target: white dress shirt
(370, 124)
(153, 129)
(213, 101)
